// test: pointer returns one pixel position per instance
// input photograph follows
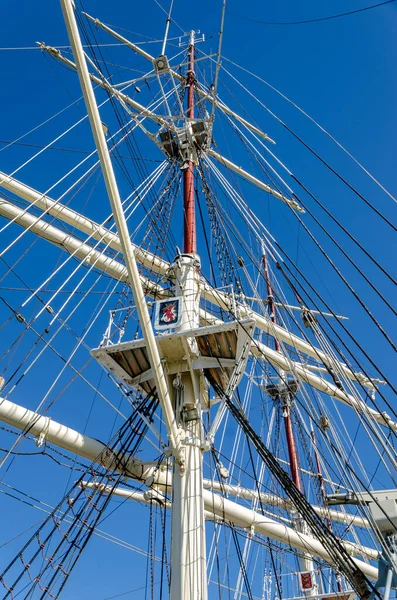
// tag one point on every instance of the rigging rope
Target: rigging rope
(252, 223)
(251, 147)
(83, 506)
(335, 549)
(329, 18)
(334, 140)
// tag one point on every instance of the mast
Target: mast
(283, 393)
(292, 453)
(188, 547)
(190, 241)
(183, 416)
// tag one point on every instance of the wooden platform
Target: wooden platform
(220, 352)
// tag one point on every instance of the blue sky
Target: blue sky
(342, 72)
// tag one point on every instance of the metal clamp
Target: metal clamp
(42, 435)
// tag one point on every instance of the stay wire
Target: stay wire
(225, 254)
(344, 344)
(300, 140)
(333, 329)
(340, 177)
(203, 227)
(324, 208)
(116, 454)
(72, 150)
(133, 433)
(304, 113)
(341, 226)
(342, 460)
(143, 173)
(318, 20)
(333, 265)
(333, 546)
(342, 277)
(345, 329)
(119, 115)
(304, 292)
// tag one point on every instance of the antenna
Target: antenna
(167, 27)
(218, 62)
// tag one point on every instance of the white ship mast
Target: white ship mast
(183, 412)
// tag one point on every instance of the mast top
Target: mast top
(189, 216)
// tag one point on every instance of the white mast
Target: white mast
(188, 553)
(188, 550)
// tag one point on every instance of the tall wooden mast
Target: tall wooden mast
(190, 241)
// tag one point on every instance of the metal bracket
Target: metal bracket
(42, 435)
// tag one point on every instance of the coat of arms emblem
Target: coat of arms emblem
(168, 313)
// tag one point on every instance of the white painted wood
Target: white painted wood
(160, 266)
(260, 184)
(74, 246)
(91, 449)
(188, 545)
(82, 223)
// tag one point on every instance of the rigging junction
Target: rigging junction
(177, 366)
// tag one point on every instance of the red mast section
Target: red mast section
(190, 239)
(292, 453)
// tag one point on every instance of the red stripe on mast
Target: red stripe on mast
(189, 209)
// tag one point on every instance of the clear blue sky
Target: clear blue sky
(342, 72)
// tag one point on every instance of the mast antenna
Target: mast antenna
(167, 27)
(218, 63)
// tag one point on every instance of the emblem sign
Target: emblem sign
(306, 581)
(168, 313)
